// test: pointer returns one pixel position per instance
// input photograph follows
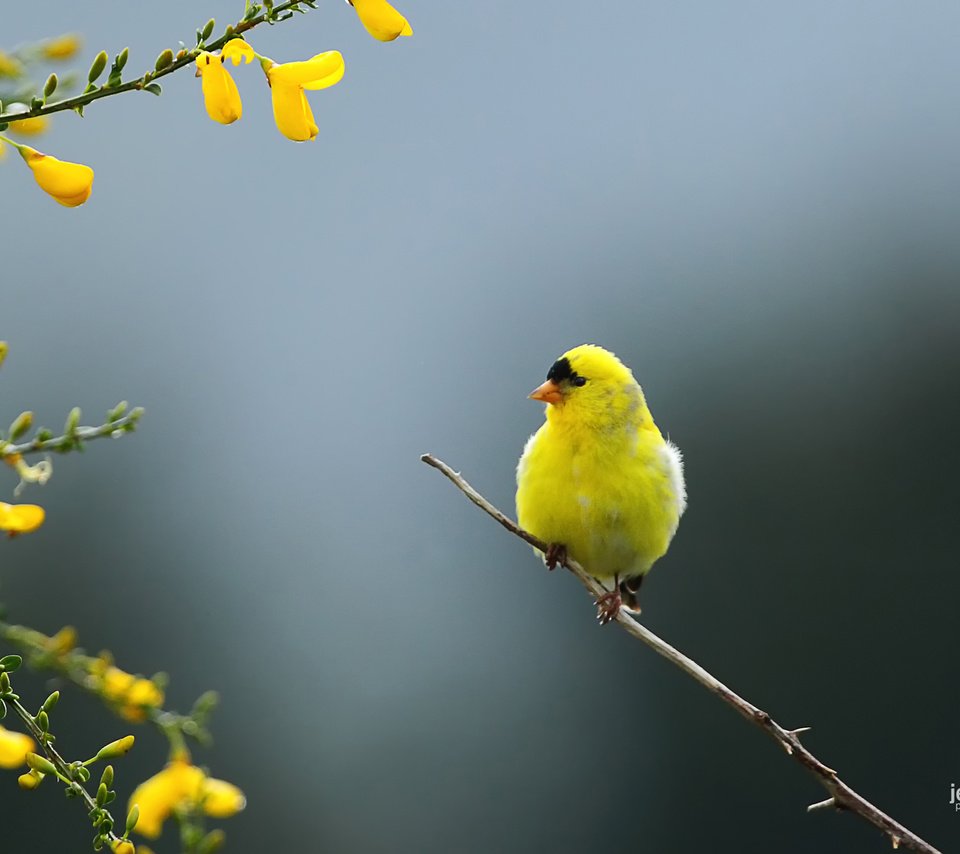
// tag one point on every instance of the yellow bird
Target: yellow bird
(597, 481)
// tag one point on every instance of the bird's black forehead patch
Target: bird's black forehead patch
(561, 370)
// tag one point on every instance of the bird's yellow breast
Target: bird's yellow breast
(613, 498)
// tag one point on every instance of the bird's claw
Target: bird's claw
(608, 606)
(555, 555)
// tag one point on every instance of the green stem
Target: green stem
(16, 145)
(84, 434)
(59, 762)
(148, 77)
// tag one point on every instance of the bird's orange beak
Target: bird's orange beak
(549, 392)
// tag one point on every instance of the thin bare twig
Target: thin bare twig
(842, 797)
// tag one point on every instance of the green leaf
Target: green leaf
(153, 89)
(9, 663)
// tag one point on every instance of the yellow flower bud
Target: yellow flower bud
(220, 94)
(62, 47)
(20, 518)
(14, 747)
(120, 747)
(40, 763)
(20, 425)
(291, 111)
(30, 780)
(123, 846)
(381, 20)
(68, 183)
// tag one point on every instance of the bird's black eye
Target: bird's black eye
(578, 380)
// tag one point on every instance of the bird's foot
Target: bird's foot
(555, 555)
(608, 606)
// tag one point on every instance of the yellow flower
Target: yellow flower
(63, 641)
(381, 20)
(221, 799)
(68, 183)
(123, 846)
(291, 111)
(237, 51)
(20, 518)
(37, 473)
(14, 747)
(62, 47)
(9, 65)
(220, 94)
(30, 127)
(182, 784)
(29, 781)
(133, 695)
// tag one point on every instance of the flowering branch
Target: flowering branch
(167, 63)
(74, 435)
(134, 698)
(72, 774)
(841, 796)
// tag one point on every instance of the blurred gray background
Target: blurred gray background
(755, 205)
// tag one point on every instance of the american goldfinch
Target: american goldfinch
(598, 481)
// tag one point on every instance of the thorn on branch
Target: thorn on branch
(822, 805)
